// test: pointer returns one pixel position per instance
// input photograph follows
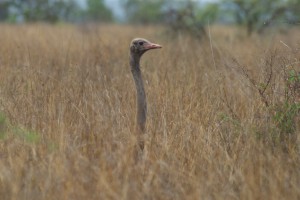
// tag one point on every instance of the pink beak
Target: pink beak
(152, 46)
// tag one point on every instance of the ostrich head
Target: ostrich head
(139, 46)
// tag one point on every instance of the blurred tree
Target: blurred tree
(138, 11)
(45, 10)
(178, 16)
(4, 9)
(257, 14)
(71, 11)
(97, 11)
(293, 12)
(208, 13)
(183, 19)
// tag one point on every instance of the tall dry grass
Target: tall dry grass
(68, 108)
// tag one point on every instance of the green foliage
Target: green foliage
(285, 116)
(187, 18)
(4, 12)
(97, 11)
(293, 77)
(208, 13)
(54, 11)
(286, 112)
(179, 16)
(256, 15)
(3, 126)
(292, 89)
(145, 12)
(282, 103)
(40, 10)
(27, 135)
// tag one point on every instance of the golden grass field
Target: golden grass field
(67, 114)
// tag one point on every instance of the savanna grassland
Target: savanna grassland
(223, 116)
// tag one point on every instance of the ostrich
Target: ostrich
(138, 47)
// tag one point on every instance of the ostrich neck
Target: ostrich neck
(140, 91)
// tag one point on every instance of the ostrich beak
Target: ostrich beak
(152, 46)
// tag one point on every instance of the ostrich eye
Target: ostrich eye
(141, 43)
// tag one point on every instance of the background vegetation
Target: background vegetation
(189, 16)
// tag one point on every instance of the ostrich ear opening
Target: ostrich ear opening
(132, 48)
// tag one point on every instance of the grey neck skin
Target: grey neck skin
(140, 91)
